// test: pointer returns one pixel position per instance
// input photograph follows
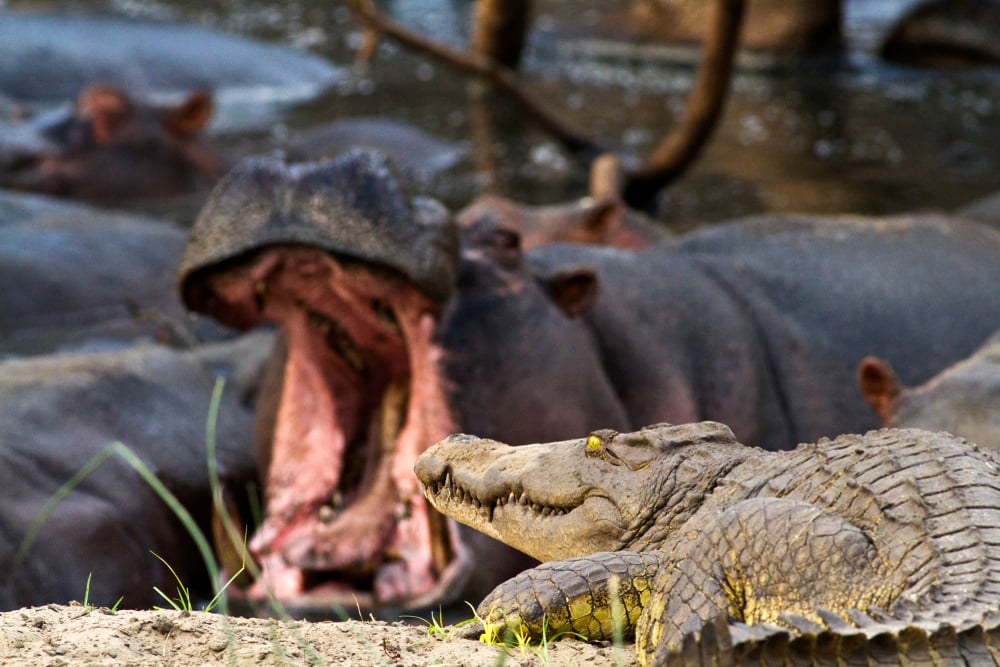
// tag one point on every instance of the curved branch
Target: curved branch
(478, 65)
(637, 186)
(500, 29)
(706, 101)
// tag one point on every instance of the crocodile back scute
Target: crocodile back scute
(929, 501)
(876, 644)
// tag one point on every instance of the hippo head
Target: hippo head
(963, 399)
(356, 274)
(111, 146)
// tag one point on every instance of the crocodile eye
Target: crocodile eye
(593, 443)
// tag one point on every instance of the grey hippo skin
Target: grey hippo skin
(57, 412)
(110, 147)
(963, 399)
(879, 549)
(77, 276)
(400, 333)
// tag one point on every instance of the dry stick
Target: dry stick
(478, 65)
(705, 104)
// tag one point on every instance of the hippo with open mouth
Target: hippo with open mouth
(400, 330)
(320, 249)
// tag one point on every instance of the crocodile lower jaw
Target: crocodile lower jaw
(544, 532)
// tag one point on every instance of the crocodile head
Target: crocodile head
(606, 492)
(355, 273)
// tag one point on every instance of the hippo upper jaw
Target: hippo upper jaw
(362, 397)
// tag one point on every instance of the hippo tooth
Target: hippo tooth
(336, 500)
(393, 414)
(326, 514)
(403, 511)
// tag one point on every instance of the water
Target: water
(857, 136)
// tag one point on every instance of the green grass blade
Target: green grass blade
(86, 590)
(57, 497)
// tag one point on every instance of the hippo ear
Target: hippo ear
(572, 290)
(879, 386)
(190, 116)
(107, 108)
(601, 217)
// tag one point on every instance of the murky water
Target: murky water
(856, 136)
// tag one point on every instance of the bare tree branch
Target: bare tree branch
(706, 101)
(500, 27)
(614, 172)
(477, 65)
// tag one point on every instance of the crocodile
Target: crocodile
(882, 548)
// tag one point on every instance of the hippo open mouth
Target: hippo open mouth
(361, 398)
(355, 273)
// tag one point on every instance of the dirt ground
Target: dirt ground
(57, 635)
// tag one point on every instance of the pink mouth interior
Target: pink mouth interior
(362, 397)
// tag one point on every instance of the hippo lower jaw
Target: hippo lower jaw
(362, 397)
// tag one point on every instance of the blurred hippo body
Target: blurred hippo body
(396, 336)
(75, 275)
(110, 147)
(964, 399)
(759, 321)
(51, 58)
(946, 33)
(56, 413)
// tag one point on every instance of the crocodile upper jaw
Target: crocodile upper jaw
(498, 490)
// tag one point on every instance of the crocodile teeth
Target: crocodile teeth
(511, 498)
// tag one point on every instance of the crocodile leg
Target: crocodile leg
(574, 595)
(757, 560)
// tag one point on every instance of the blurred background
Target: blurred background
(830, 131)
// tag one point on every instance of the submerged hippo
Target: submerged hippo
(49, 57)
(397, 335)
(963, 399)
(110, 146)
(946, 33)
(58, 412)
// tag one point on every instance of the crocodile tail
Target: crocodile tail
(721, 643)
